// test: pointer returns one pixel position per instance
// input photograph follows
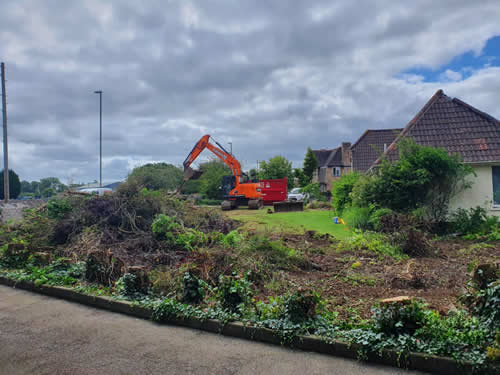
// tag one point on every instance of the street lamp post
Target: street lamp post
(100, 136)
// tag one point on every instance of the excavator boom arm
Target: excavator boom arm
(220, 152)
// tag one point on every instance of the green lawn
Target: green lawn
(293, 222)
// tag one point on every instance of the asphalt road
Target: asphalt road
(43, 335)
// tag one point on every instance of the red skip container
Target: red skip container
(275, 190)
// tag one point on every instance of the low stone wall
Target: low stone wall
(14, 208)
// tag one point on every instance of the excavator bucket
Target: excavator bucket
(191, 174)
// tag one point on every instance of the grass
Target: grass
(290, 222)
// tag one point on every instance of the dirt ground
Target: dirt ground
(352, 283)
(43, 335)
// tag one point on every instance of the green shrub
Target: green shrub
(422, 177)
(485, 304)
(358, 217)
(233, 239)
(193, 289)
(127, 285)
(399, 318)
(301, 306)
(233, 291)
(371, 241)
(375, 217)
(190, 239)
(163, 225)
(58, 208)
(314, 191)
(274, 252)
(475, 222)
(341, 191)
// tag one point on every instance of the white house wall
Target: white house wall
(480, 194)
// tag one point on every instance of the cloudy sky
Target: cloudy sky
(272, 77)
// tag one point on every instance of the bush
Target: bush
(358, 217)
(399, 318)
(422, 177)
(58, 208)
(233, 291)
(193, 289)
(376, 217)
(371, 241)
(474, 222)
(314, 192)
(301, 306)
(341, 191)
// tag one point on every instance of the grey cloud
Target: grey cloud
(272, 77)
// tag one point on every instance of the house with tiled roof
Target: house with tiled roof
(333, 164)
(462, 129)
(370, 146)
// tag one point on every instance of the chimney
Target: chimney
(346, 153)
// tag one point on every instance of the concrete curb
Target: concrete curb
(415, 361)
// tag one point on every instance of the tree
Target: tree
(211, 179)
(423, 177)
(298, 173)
(311, 164)
(14, 185)
(157, 176)
(35, 188)
(26, 187)
(277, 167)
(341, 191)
(253, 174)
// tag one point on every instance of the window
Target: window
(495, 172)
(336, 172)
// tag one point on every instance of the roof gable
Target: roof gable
(455, 126)
(370, 146)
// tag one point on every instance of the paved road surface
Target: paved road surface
(43, 335)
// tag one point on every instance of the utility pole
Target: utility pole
(6, 190)
(100, 136)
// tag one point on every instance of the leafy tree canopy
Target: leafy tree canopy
(423, 177)
(311, 164)
(14, 185)
(211, 179)
(277, 167)
(157, 176)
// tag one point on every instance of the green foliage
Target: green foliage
(166, 228)
(358, 217)
(301, 177)
(163, 226)
(301, 306)
(157, 176)
(127, 286)
(475, 223)
(14, 185)
(233, 292)
(485, 304)
(193, 291)
(211, 179)
(375, 217)
(58, 208)
(232, 240)
(311, 164)
(314, 191)
(396, 318)
(209, 202)
(341, 191)
(371, 241)
(273, 252)
(277, 167)
(422, 177)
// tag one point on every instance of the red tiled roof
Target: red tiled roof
(370, 146)
(455, 126)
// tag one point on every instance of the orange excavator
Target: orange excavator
(237, 191)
